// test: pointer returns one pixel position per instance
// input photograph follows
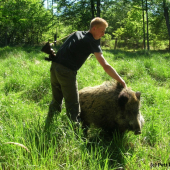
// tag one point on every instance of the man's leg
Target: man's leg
(57, 96)
(72, 102)
(67, 80)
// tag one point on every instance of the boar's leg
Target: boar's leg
(85, 125)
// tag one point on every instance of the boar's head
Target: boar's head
(129, 103)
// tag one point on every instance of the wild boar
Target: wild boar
(111, 107)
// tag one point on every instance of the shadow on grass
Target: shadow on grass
(121, 54)
(33, 50)
(109, 147)
(102, 149)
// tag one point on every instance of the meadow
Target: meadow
(25, 94)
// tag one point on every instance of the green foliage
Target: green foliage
(29, 22)
(77, 13)
(25, 94)
(24, 22)
(132, 28)
(157, 20)
(114, 12)
(105, 40)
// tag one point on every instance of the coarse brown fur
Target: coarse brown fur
(110, 106)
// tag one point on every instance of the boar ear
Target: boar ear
(138, 95)
(122, 100)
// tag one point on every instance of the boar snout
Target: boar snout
(136, 126)
(138, 132)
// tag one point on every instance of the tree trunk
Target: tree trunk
(55, 39)
(147, 25)
(115, 44)
(6, 42)
(52, 6)
(144, 46)
(92, 8)
(166, 14)
(98, 8)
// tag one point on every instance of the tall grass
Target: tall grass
(25, 94)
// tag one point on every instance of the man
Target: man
(69, 58)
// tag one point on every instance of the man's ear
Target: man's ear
(94, 28)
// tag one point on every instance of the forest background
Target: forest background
(135, 26)
(132, 23)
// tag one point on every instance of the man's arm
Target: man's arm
(109, 69)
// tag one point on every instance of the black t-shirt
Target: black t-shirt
(75, 50)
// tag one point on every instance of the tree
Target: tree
(115, 12)
(131, 29)
(92, 8)
(95, 8)
(158, 22)
(143, 9)
(166, 14)
(75, 13)
(147, 25)
(23, 21)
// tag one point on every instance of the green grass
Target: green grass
(25, 94)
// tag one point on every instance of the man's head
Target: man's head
(98, 27)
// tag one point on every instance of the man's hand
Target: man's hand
(109, 69)
(124, 84)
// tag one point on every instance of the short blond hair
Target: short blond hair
(98, 22)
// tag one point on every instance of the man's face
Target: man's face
(98, 32)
